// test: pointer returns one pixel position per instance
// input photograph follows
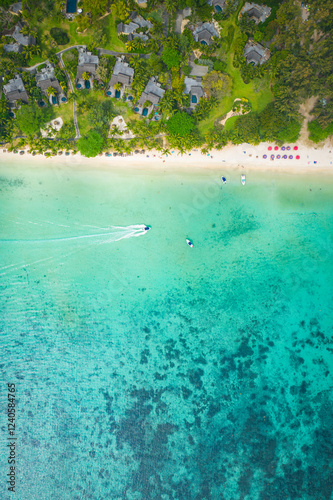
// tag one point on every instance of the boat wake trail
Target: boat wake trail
(111, 234)
(81, 242)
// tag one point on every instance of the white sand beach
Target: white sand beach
(242, 157)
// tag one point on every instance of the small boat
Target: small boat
(243, 179)
(224, 180)
(189, 242)
(147, 228)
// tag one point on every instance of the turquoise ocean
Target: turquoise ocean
(146, 369)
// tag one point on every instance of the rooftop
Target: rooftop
(15, 90)
(152, 93)
(205, 32)
(15, 8)
(122, 73)
(22, 39)
(256, 53)
(257, 12)
(45, 78)
(87, 58)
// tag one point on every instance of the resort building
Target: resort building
(204, 33)
(130, 29)
(15, 8)
(20, 39)
(217, 4)
(87, 66)
(121, 78)
(46, 80)
(193, 87)
(150, 97)
(258, 13)
(255, 53)
(14, 90)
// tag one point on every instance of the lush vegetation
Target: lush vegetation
(267, 96)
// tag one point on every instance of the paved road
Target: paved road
(78, 135)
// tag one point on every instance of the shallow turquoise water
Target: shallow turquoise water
(148, 370)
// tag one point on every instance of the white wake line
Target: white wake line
(22, 266)
(131, 231)
(135, 230)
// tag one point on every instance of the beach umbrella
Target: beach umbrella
(284, 157)
(278, 157)
(264, 157)
(272, 157)
(295, 148)
(291, 157)
(288, 148)
(283, 148)
(298, 157)
(269, 148)
(276, 148)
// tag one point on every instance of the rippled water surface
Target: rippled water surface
(145, 369)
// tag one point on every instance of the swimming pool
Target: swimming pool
(71, 6)
(194, 99)
(117, 94)
(145, 112)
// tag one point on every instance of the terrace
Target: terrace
(121, 77)
(14, 90)
(204, 33)
(46, 79)
(193, 88)
(217, 4)
(255, 53)
(87, 65)
(258, 13)
(152, 94)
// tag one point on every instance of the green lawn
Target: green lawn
(65, 111)
(258, 100)
(110, 29)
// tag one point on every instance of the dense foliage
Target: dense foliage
(59, 35)
(180, 124)
(91, 144)
(31, 118)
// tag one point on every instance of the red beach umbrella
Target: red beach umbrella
(276, 148)
(295, 148)
(269, 148)
(298, 157)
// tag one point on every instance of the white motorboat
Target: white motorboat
(243, 179)
(223, 179)
(189, 242)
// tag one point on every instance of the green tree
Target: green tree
(217, 84)
(86, 75)
(92, 144)
(181, 124)
(51, 91)
(31, 118)
(171, 57)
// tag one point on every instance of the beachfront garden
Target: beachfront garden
(272, 89)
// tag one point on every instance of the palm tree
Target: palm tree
(51, 91)
(131, 46)
(118, 86)
(86, 75)
(28, 51)
(136, 62)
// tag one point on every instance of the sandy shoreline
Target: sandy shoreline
(242, 157)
